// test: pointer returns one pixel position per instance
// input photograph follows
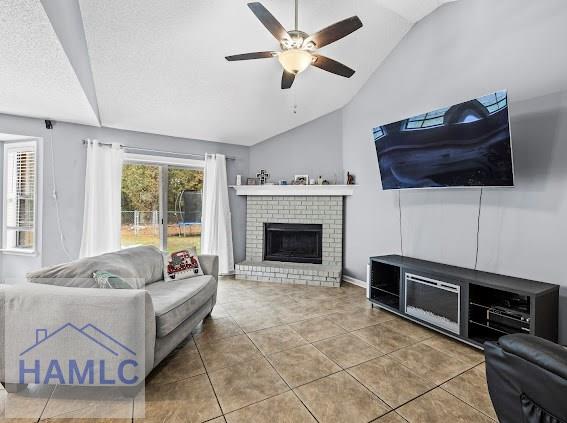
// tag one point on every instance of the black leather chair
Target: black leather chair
(527, 379)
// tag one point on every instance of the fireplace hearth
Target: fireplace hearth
(293, 242)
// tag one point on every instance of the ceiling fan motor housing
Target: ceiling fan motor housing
(296, 40)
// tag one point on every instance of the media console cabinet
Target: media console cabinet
(469, 305)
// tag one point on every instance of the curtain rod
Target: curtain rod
(150, 150)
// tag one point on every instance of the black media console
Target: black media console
(470, 305)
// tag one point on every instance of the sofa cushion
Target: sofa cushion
(138, 266)
(175, 301)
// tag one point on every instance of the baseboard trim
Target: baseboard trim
(354, 281)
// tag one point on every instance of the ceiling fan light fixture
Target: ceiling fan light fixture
(295, 60)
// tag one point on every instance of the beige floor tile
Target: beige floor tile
(215, 329)
(246, 383)
(257, 320)
(225, 297)
(276, 339)
(190, 400)
(340, 398)
(393, 383)
(78, 419)
(359, 319)
(181, 364)
(471, 387)
(302, 365)
(217, 420)
(296, 313)
(25, 405)
(439, 406)
(407, 328)
(383, 338)
(316, 329)
(347, 350)
(456, 349)
(281, 408)
(219, 312)
(348, 305)
(391, 417)
(430, 363)
(228, 352)
(88, 402)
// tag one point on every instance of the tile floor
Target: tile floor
(293, 354)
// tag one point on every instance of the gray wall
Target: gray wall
(461, 51)
(313, 149)
(70, 156)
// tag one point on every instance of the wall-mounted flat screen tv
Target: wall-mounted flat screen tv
(464, 145)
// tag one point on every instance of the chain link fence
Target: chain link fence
(148, 222)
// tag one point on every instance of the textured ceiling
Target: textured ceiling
(36, 77)
(158, 65)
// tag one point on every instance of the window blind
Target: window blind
(20, 190)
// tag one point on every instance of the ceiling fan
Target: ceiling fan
(298, 49)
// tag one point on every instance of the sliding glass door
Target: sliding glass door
(161, 205)
(140, 205)
(184, 200)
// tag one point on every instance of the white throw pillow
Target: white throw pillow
(181, 264)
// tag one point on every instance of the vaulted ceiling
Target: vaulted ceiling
(158, 66)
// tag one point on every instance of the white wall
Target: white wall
(70, 155)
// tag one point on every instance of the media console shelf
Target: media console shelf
(467, 304)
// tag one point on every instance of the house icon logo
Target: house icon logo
(73, 355)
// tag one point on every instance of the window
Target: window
(19, 229)
(426, 120)
(161, 202)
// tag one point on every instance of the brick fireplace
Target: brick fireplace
(294, 239)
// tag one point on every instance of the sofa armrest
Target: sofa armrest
(89, 322)
(541, 352)
(210, 265)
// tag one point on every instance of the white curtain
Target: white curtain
(101, 217)
(216, 230)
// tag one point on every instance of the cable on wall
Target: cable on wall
(478, 227)
(49, 126)
(400, 213)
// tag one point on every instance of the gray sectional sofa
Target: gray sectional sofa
(169, 310)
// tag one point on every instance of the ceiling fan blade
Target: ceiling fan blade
(335, 32)
(287, 80)
(269, 21)
(332, 66)
(250, 56)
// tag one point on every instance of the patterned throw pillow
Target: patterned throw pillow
(181, 264)
(109, 280)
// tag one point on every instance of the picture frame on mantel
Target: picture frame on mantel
(301, 180)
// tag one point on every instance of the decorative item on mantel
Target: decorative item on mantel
(263, 176)
(301, 180)
(251, 181)
(350, 178)
(238, 179)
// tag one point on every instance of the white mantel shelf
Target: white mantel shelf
(307, 190)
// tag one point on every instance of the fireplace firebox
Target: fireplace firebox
(293, 242)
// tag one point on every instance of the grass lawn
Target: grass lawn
(174, 241)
